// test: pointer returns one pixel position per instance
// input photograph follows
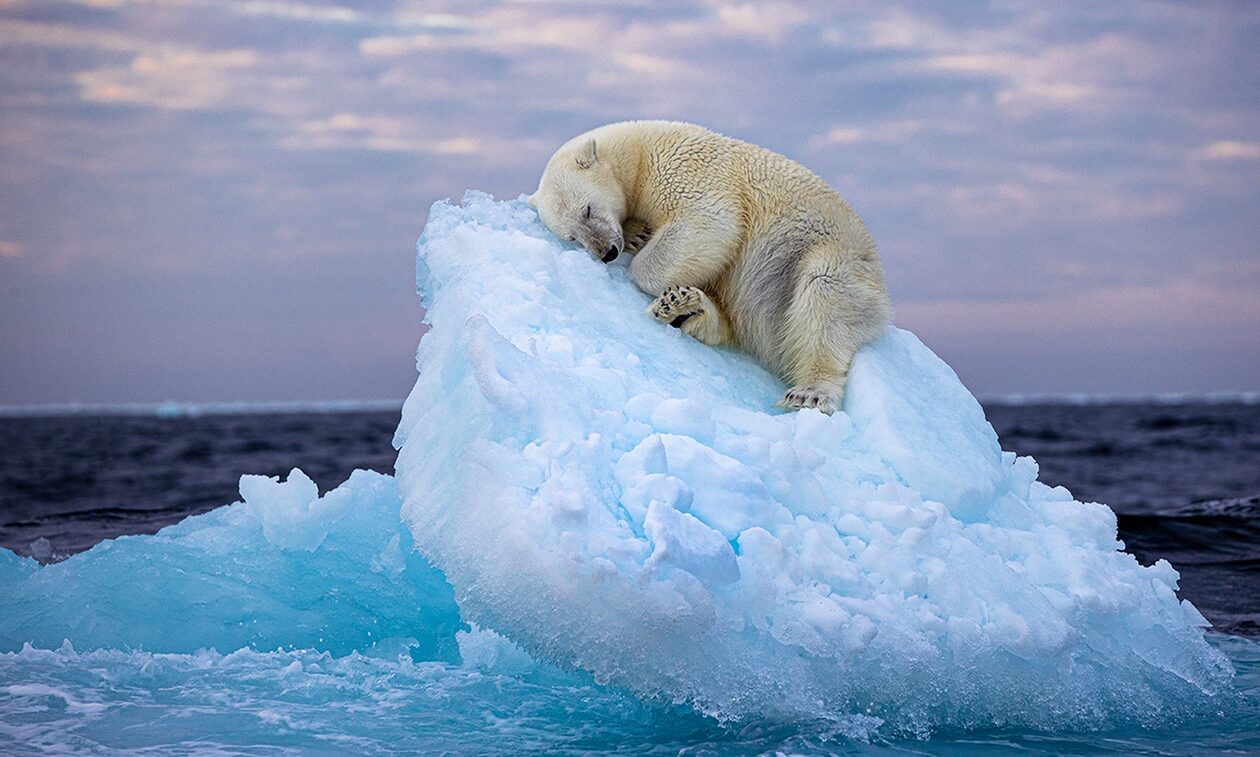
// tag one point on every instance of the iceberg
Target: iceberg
(617, 498)
(283, 569)
(601, 536)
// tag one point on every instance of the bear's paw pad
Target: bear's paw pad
(676, 305)
(810, 395)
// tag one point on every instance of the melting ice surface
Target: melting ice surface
(602, 536)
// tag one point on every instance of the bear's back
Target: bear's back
(688, 163)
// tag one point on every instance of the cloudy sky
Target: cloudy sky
(206, 200)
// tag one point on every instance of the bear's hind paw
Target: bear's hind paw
(811, 395)
(676, 305)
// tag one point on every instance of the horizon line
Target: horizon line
(181, 409)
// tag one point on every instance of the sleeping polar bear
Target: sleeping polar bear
(737, 243)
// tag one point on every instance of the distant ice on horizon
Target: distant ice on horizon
(177, 409)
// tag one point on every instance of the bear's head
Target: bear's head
(580, 199)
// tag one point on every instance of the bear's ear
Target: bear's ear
(586, 155)
(532, 199)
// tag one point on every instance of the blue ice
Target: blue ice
(283, 568)
(611, 495)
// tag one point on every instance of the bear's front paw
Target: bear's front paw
(811, 395)
(676, 305)
(636, 235)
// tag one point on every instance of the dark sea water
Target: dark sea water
(78, 479)
(1183, 478)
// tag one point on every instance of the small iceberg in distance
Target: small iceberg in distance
(616, 497)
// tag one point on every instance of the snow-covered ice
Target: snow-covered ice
(619, 498)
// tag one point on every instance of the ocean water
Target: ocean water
(81, 478)
(1182, 477)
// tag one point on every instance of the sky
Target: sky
(219, 201)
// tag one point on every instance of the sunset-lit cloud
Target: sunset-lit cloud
(178, 79)
(1179, 307)
(1228, 150)
(355, 131)
(1028, 170)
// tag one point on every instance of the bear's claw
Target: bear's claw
(676, 305)
(636, 234)
(810, 395)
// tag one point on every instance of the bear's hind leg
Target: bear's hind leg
(693, 311)
(836, 308)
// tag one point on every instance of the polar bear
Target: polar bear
(737, 243)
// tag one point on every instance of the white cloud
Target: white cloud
(769, 21)
(394, 45)
(179, 79)
(17, 32)
(1229, 150)
(1179, 306)
(395, 134)
(877, 132)
(298, 11)
(1033, 76)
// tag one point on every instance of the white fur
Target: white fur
(745, 245)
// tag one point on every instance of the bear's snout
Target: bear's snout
(609, 254)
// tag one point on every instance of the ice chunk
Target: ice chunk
(913, 410)
(41, 549)
(610, 494)
(684, 541)
(285, 568)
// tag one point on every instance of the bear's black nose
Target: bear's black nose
(610, 254)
